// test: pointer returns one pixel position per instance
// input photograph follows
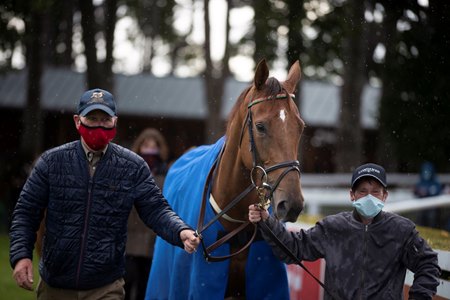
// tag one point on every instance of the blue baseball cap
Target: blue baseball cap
(97, 99)
(370, 170)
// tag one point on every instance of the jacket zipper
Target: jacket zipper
(85, 228)
(363, 273)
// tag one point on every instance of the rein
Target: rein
(201, 228)
(289, 253)
(265, 191)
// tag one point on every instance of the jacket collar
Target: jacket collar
(376, 219)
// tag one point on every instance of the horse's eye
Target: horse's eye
(260, 127)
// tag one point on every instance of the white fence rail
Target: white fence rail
(416, 204)
(317, 198)
(333, 190)
(395, 180)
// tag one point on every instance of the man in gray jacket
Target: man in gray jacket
(367, 251)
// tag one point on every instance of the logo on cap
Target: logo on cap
(369, 170)
(372, 170)
(97, 97)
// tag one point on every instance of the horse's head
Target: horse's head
(272, 135)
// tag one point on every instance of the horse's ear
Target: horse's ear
(293, 77)
(261, 74)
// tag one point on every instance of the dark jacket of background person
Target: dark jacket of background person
(429, 186)
(141, 239)
(87, 215)
(371, 259)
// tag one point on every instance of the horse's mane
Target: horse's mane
(271, 88)
(274, 86)
(236, 107)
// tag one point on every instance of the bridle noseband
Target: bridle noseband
(264, 190)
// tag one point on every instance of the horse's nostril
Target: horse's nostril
(286, 212)
(293, 214)
(281, 209)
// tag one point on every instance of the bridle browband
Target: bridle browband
(265, 190)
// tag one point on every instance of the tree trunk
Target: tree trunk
(99, 75)
(386, 150)
(95, 78)
(33, 124)
(295, 42)
(67, 32)
(295, 48)
(110, 25)
(147, 55)
(349, 146)
(265, 45)
(214, 81)
(50, 24)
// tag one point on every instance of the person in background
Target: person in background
(428, 186)
(367, 251)
(14, 181)
(87, 189)
(152, 147)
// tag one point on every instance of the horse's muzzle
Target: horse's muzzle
(288, 210)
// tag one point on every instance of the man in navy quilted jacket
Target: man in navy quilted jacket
(87, 189)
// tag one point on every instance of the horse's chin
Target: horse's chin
(288, 218)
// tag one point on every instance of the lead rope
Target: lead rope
(287, 251)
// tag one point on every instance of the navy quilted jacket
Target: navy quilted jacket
(86, 218)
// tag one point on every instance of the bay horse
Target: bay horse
(213, 185)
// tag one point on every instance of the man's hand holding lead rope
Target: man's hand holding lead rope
(256, 213)
(190, 240)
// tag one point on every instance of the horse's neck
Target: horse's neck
(231, 176)
(231, 179)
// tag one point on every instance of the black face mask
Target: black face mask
(154, 162)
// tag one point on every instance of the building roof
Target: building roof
(147, 95)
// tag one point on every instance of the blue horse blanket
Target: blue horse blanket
(176, 274)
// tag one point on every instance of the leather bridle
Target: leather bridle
(264, 190)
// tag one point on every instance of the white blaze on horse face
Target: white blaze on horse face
(283, 115)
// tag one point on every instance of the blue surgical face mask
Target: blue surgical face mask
(368, 206)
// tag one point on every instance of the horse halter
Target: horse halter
(291, 165)
(265, 190)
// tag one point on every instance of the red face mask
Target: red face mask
(96, 137)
